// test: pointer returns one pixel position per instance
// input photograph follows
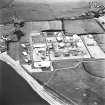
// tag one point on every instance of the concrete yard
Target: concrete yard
(100, 39)
(93, 47)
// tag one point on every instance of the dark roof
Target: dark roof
(52, 30)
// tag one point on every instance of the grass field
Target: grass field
(84, 26)
(79, 86)
(43, 77)
(64, 64)
(96, 68)
(76, 84)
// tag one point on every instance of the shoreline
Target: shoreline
(15, 90)
(39, 89)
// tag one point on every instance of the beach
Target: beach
(15, 90)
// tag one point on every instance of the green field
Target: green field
(84, 26)
(76, 84)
